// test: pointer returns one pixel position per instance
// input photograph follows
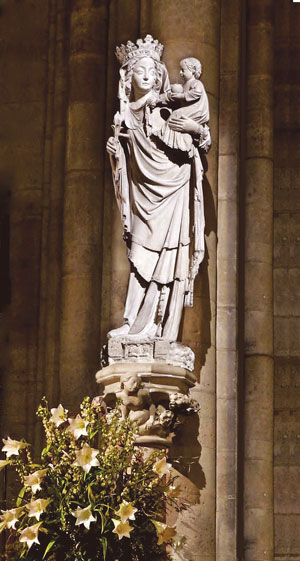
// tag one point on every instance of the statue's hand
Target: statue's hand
(112, 146)
(184, 124)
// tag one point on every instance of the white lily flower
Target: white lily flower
(161, 467)
(37, 507)
(11, 517)
(86, 458)
(3, 463)
(30, 535)
(12, 447)
(78, 426)
(122, 529)
(58, 415)
(84, 516)
(126, 511)
(34, 479)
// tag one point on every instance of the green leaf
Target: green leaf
(103, 521)
(91, 494)
(20, 496)
(49, 546)
(104, 547)
(46, 450)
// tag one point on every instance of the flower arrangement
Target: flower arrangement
(93, 496)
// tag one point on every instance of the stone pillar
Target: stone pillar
(258, 444)
(83, 200)
(192, 29)
(227, 286)
(44, 249)
(49, 361)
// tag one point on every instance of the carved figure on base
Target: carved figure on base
(136, 402)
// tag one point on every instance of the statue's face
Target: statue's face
(144, 75)
(132, 384)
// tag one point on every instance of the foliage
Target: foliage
(93, 495)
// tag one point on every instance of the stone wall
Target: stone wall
(23, 177)
(287, 282)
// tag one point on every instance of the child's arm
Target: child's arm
(174, 96)
(195, 92)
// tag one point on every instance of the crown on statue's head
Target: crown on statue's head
(147, 47)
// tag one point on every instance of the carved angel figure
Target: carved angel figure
(159, 192)
(136, 402)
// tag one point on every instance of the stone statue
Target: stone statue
(157, 175)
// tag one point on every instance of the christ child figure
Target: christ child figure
(193, 104)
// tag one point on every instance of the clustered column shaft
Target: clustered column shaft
(258, 469)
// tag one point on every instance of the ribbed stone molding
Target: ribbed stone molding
(258, 444)
(52, 249)
(227, 285)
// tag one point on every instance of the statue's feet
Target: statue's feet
(149, 330)
(123, 330)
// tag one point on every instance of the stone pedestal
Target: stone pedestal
(159, 378)
(149, 379)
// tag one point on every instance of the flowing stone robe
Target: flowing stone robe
(153, 185)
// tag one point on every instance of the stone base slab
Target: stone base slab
(130, 349)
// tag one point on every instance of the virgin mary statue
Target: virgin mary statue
(159, 193)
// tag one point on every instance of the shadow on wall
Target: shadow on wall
(184, 455)
(197, 321)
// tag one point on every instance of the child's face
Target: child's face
(185, 73)
(132, 384)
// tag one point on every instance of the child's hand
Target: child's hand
(174, 96)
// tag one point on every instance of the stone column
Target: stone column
(227, 285)
(192, 29)
(52, 281)
(44, 249)
(83, 200)
(258, 445)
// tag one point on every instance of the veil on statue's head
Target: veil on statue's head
(130, 53)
